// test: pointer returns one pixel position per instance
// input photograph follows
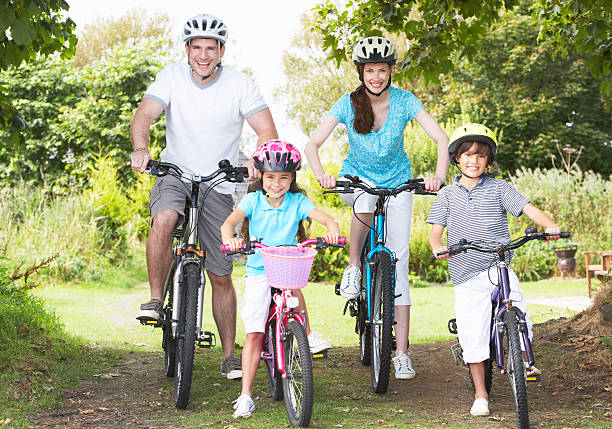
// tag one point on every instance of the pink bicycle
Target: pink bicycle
(285, 348)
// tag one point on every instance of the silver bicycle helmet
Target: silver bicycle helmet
(204, 26)
(374, 50)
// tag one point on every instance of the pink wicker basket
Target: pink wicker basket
(287, 267)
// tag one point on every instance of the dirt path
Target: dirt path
(575, 391)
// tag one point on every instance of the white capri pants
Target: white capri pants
(255, 304)
(397, 233)
(473, 312)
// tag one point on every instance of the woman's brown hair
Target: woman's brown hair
(364, 116)
(293, 188)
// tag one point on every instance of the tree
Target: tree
(78, 113)
(538, 102)
(29, 29)
(581, 26)
(136, 25)
(440, 31)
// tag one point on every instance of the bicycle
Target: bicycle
(505, 319)
(374, 307)
(184, 285)
(285, 347)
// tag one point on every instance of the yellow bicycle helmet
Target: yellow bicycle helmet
(474, 133)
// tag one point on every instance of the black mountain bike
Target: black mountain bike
(184, 286)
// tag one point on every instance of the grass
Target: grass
(110, 322)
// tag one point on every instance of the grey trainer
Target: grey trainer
(231, 367)
(152, 310)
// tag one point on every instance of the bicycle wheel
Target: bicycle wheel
(364, 329)
(298, 384)
(382, 322)
(187, 335)
(516, 369)
(274, 381)
(168, 343)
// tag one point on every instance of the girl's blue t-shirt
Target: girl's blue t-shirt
(380, 156)
(274, 227)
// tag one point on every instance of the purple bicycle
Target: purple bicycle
(285, 347)
(505, 319)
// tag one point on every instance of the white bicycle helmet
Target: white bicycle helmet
(204, 26)
(374, 50)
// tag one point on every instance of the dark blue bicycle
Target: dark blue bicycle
(374, 306)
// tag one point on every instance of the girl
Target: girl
(375, 116)
(275, 210)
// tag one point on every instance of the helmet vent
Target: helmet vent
(214, 24)
(194, 23)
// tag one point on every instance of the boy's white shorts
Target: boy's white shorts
(473, 313)
(397, 231)
(255, 304)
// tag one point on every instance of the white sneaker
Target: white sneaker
(317, 342)
(480, 407)
(403, 367)
(244, 406)
(531, 371)
(351, 281)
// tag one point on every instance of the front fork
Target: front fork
(176, 289)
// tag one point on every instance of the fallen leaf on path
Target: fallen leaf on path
(103, 409)
(88, 411)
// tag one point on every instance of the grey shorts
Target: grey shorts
(168, 192)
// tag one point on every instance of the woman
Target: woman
(375, 116)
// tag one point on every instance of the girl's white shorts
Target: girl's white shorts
(255, 304)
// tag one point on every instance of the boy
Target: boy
(475, 207)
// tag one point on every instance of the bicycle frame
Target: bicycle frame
(504, 302)
(377, 244)
(282, 313)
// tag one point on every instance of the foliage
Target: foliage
(29, 29)
(135, 27)
(77, 112)
(537, 102)
(439, 32)
(580, 26)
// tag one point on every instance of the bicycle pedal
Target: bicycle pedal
(337, 289)
(320, 355)
(206, 340)
(153, 323)
(457, 352)
(533, 378)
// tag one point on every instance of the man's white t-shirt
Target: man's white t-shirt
(204, 121)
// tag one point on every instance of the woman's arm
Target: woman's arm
(435, 241)
(333, 230)
(542, 219)
(312, 151)
(437, 134)
(228, 227)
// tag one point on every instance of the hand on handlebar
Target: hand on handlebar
(253, 172)
(234, 243)
(552, 230)
(327, 181)
(433, 183)
(331, 238)
(139, 160)
(439, 250)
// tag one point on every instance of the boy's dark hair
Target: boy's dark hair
(481, 148)
(293, 188)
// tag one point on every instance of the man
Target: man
(206, 105)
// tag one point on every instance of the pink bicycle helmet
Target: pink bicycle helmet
(277, 155)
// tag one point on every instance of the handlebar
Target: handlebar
(232, 174)
(494, 247)
(353, 182)
(250, 246)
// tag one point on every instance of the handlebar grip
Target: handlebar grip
(342, 240)
(565, 234)
(225, 248)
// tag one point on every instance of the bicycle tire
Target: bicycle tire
(298, 385)
(364, 329)
(169, 343)
(382, 322)
(187, 335)
(274, 381)
(516, 369)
